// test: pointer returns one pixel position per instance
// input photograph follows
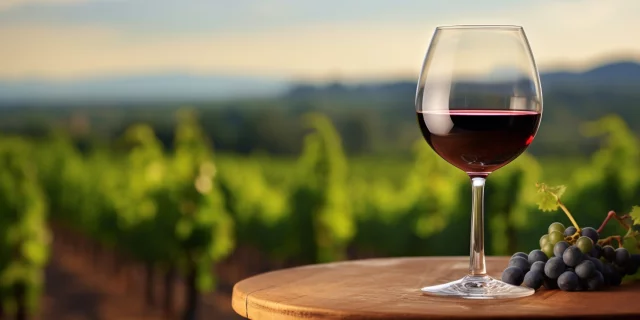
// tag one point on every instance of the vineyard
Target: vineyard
(185, 213)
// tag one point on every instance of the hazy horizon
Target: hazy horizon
(400, 76)
(176, 87)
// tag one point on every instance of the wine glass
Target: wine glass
(479, 105)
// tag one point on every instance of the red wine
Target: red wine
(479, 141)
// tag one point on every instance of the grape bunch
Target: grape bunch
(571, 261)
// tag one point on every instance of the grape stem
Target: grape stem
(608, 240)
(612, 214)
(566, 211)
(554, 192)
(573, 238)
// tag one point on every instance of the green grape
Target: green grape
(556, 226)
(555, 237)
(544, 240)
(585, 244)
(548, 249)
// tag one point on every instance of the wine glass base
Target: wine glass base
(478, 287)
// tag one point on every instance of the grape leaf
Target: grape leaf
(632, 244)
(548, 196)
(635, 215)
(631, 241)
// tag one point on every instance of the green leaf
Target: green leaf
(205, 280)
(635, 215)
(184, 228)
(631, 242)
(35, 252)
(548, 196)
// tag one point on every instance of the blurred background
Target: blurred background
(154, 153)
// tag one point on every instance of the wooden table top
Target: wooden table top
(390, 289)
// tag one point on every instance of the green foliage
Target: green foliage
(548, 196)
(432, 190)
(511, 202)
(164, 209)
(635, 215)
(632, 243)
(612, 176)
(397, 220)
(204, 229)
(182, 207)
(142, 229)
(632, 237)
(259, 208)
(320, 202)
(24, 237)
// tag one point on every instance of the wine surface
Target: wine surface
(479, 141)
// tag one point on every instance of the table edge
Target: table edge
(242, 301)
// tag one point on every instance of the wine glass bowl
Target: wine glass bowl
(479, 106)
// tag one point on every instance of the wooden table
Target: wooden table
(390, 289)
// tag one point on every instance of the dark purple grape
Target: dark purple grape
(634, 264)
(569, 231)
(622, 257)
(632, 268)
(596, 252)
(609, 253)
(585, 269)
(550, 284)
(596, 282)
(537, 266)
(591, 233)
(582, 285)
(596, 263)
(533, 279)
(568, 281)
(554, 268)
(607, 272)
(513, 275)
(615, 279)
(621, 270)
(520, 254)
(572, 256)
(560, 247)
(521, 263)
(537, 255)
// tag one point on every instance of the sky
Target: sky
(303, 39)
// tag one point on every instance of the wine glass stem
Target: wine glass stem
(477, 263)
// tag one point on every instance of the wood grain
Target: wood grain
(390, 289)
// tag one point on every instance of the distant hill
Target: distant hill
(614, 74)
(142, 88)
(175, 87)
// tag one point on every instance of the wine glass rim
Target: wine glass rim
(480, 26)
